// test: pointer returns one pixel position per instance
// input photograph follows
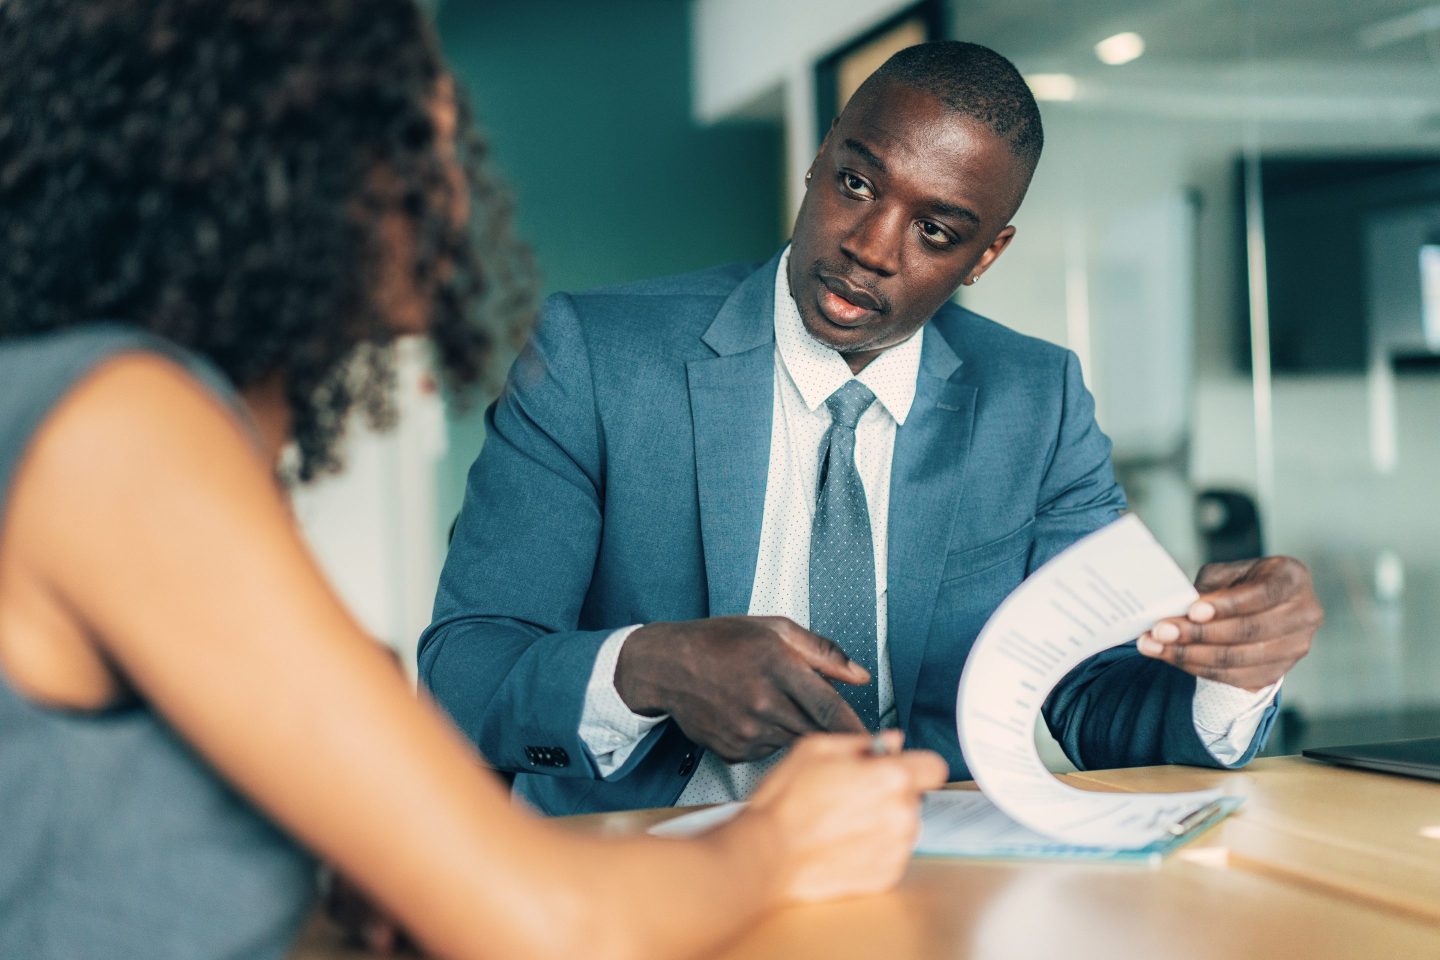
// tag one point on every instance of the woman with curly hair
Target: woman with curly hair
(215, 218)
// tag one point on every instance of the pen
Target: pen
(1194, 819)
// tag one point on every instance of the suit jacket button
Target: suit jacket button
(559, 757)
(687, 765)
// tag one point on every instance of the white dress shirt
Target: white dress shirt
(806, 373)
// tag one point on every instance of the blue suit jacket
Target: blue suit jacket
(623, 481)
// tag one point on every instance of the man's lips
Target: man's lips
(845, 304)
(846, 290)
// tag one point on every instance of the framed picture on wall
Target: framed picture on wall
(839, 74)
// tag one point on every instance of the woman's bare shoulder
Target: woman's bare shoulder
(134, 403)
(140, 451)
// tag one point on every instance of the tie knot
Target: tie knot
(848, 403)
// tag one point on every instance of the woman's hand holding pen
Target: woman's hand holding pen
(845, 818)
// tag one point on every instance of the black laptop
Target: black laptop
(1410, 758)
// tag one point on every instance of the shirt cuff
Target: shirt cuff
(1227, 717)
(609, 729)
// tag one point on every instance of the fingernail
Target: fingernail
(1149, 647)
(1166, 631)
(1202, 611)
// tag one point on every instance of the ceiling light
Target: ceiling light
(1052, 86)
(1121, 48)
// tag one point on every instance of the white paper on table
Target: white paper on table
(952, 822)
(1102, 591)
(964, 823)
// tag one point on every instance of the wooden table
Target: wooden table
(1320, 863)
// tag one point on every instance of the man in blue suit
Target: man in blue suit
(682, 472)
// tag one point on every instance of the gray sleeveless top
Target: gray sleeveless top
(116, 841)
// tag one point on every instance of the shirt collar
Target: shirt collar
(818, 371)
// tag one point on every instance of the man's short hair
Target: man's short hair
(974, 81)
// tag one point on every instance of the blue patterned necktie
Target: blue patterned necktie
(842, 554)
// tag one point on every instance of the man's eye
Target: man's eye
(935, 234)
(855, 185)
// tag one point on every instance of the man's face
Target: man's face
(907, 200)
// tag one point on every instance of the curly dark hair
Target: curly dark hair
(218, 172)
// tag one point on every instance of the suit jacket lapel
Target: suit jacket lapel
(732, 405)
(927, 472)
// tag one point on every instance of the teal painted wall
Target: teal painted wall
(587, 106)
(587, 109)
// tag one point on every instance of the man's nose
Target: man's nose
(874, 242)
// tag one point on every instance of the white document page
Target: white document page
(952, 822)
(1104, 590)
(961, 822)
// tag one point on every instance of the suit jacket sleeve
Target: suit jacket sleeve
(503, 655)
(1118, 708)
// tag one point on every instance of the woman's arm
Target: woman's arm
(143, 508)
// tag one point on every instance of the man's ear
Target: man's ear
(997, 247)
(821, 152)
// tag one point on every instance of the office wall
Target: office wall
(587, 106)
(737, 60)
(757, 58)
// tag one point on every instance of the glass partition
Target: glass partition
(1349, 184)
(1236, 225)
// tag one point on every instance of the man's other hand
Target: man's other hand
(1253, 621)
(743, 687)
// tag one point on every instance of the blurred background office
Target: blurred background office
(1236, 225)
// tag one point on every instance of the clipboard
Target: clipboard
(1015, 842)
